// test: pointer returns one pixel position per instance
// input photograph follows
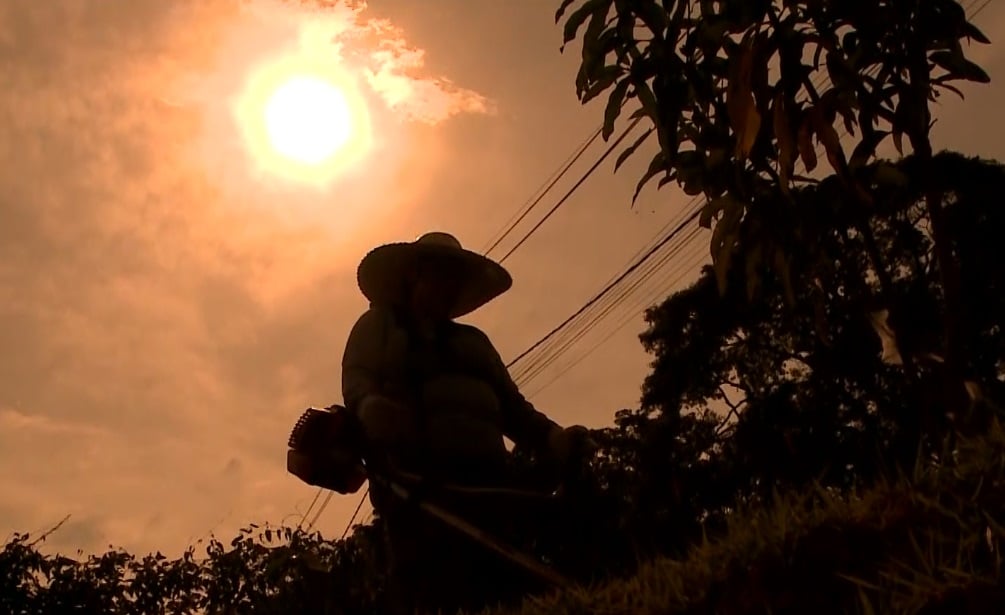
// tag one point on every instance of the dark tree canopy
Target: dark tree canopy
(735, 93)
(811, 392)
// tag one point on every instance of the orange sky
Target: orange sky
(168, 306)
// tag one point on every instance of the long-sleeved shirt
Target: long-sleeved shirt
(455, 381)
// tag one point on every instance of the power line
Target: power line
(555, 208)
(543, 191)
(559, 340)
(573, 334)
(527, 210)
(511, 225)
(979, 9)
(638, 262)
(356, 512)
(670, 254)
(575, 187)
(309, 507)
(560, 202)
(608, 288)
(643, 278)
(324, 504)
(639, 308)
(528, 207)
(536, 369)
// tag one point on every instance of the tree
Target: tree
(811, 395)
(732, 127)
(264, 570)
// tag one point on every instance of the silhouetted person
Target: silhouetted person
(435, 399)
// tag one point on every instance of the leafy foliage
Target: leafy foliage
(264, 570)
(730, 89)
(812, 411)
(814, 393)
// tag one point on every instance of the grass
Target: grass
(923, 544)
(926, 544)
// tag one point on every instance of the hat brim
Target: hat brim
(382, 273)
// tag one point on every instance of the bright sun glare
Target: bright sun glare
(308, 120)
(304, 120)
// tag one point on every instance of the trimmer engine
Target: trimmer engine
(324, 450)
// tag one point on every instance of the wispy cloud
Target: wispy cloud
(159, 331)
(394, 70)
(391, 65)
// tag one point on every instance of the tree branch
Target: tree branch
(737, 385)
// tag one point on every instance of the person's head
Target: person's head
(433, 287)
(434, 277)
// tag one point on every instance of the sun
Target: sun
(303, 121)
(308, 119)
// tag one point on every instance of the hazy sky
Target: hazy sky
(172, 296)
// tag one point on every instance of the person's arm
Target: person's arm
(386, 423)
(522, 422)
(361, 362)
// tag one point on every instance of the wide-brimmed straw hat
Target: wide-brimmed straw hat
(382, 273)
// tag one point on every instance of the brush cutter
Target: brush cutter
(326, 449)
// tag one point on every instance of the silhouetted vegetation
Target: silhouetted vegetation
(812, 420)
(820, 430)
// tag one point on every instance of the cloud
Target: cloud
(164, 317)
(380, 52)
(392, 72)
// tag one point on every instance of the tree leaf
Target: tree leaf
(805, 142)
(898, 141)
(631, 149)
(831, 141)
(712, 209)
(648, 100)
(576, 20)
(561, 9)
(613, 108)
(656, 114)
(959, 67)
(692, 187)
(640, 112)
(841, 75)
(653, 16)
(951, 88)
(866, 149)
(594, 50)
(721, 264)
(971, 31)
(690, 166)
(786, 142)
(657, 164)
(848, 115)
(740, 103)
(607, 76)
(723, 242)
